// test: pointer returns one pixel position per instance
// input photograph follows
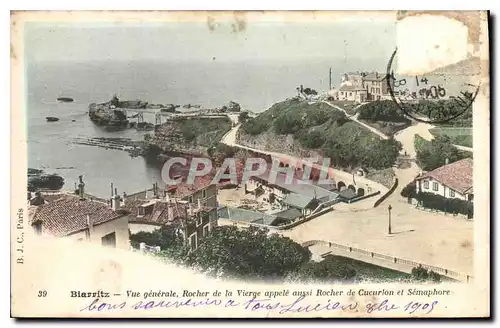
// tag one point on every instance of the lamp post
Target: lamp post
(389, 208)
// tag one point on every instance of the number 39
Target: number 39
(42, 293)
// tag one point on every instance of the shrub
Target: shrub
(421, 273)
(440, 203)
(255, 126)
(312, 140)
(409, 191)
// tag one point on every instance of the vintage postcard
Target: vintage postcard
(250, 164)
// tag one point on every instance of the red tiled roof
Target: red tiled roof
(456, 175)
(160, 214)
(67, 214)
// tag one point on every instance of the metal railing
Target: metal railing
(396, 260)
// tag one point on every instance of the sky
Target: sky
(195, 41)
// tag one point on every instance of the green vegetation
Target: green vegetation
(248, 253)
(367, 271)
(433, 154)
(206, 132)
(330, 269)
(243, 117)
(449, 205)
(254, 254)
(384, 115)
(319, 126)
(348, 106)
(410, 190)
(351, 146)
(444, 110)
(422, 274)
(37, 181)
(458, 136)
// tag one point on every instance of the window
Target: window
(141, 211)
(109, 240)
(190, 199)
(199, 220)
(426, 184)
(452, 193)
(37, 227)
(435, 186)
(206, 230)
(204, 193)
(350, 93)
(192, 241)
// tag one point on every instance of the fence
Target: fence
(396, 260)
(388, 193)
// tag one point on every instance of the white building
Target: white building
(451, 181)
(352, 93)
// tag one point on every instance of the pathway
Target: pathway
(355, 119)
(425, 237)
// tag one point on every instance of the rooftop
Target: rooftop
(239, 214)
(297, 186)
(65, 214)
(374, 76)
(159, 211)
(297, 200)
(347, 87)
(456, 175)
(289, 214)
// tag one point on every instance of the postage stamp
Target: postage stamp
(250, 164)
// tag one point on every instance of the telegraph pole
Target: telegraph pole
(389, 208)
(330, 78)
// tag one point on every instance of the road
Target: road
(421, 236)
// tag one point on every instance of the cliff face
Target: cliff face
(189, 135)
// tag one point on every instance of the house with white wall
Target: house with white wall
(80, 218)
(454, 180)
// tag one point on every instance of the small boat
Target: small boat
(65, 99)
(51, 119)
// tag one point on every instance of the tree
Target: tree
(434, 154)
(166, 237)
(312, 140)
(243, 117)
(248, 253)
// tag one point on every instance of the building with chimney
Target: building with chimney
(201, 191)
(364, 86)
(80, 217)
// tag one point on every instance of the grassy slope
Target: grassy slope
(459, 136)
(190, 134)
(305, 111)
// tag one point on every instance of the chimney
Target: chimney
(115, 201)
(446, 161)
(81, 187)
(190, 209)
(167, 197)
(199, 203)
(124, 198)
(154, 191)
(111, 193)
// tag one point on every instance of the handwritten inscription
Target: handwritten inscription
(301, 304)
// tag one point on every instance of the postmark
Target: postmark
(437, 97)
